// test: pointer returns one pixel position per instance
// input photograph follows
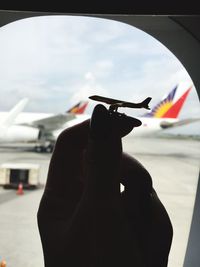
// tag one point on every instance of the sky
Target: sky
(57, 61)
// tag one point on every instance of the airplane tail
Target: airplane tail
(167, 107)
(78, 108)
(145, 103)
(13, 113)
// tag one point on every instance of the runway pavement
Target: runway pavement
(172, 163)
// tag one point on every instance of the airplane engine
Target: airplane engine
(20, 133)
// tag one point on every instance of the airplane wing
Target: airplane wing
(57, 121)
(167, 124)
(51, 123)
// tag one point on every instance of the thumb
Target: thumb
(105, 123)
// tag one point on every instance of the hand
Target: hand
(83, 218)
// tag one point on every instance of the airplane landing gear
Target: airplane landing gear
(44, 149)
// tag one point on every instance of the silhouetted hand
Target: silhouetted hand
(83, 218)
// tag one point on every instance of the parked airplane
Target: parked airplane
(165, 114)
(37, 128)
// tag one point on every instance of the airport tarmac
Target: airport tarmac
(172, 163)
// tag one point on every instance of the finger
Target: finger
(108, 124)
(65, 166)
(101, 198)
(147, 214)
(135, 178)
(161, 232)
(60, 198)
(63, 188)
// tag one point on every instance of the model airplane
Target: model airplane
(115, 103)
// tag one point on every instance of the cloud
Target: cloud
(89, 76)
(58, 60)
(89, 86)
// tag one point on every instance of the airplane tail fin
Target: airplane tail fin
(13, 113)
(78, 108)
(145, 103)
(167, 107)
(175, 109)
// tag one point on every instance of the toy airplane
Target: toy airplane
(115, 103)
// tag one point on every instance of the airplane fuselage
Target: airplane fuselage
(150, 126)
(19, 133)
(16, 133)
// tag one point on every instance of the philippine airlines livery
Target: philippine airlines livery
(18, 127)
(165, 114)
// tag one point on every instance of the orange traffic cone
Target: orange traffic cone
(20, 190)
(3, 263)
